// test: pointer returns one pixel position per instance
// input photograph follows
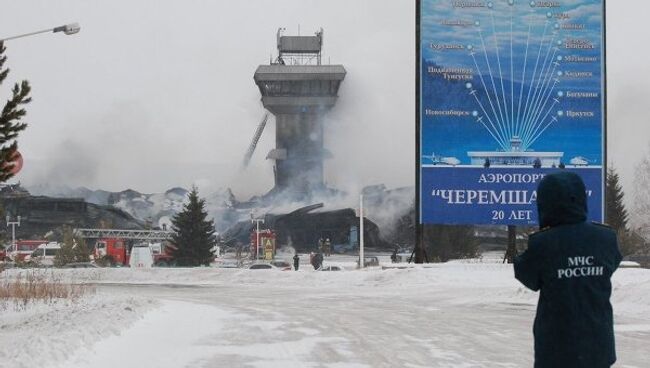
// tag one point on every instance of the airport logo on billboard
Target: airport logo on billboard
(510, 91)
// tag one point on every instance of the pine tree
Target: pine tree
(65, 255)
(404, 228)
(10, 120)
(81, 251)
(193, 235)
(629, 239)
(445, 242)
(615, 213)
(641, 205)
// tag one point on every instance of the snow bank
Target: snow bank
(631, 292)
(483, 283)
(149, 342)
(42, 335)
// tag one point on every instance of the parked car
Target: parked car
(403, 257)
(262, 266)
(331, 268)
(80, 265)
(643, 261)
(283, 265)
(369, 261)
(227, 263)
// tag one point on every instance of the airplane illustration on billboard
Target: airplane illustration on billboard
(441, 160)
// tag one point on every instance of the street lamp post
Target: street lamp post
(362, 259)
(257, 234)
(68, 29)
(13, 225)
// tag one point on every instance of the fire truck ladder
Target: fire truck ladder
(256, 138)
(124, 234)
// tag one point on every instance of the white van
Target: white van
(44, 254)
(141, 256)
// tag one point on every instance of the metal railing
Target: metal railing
(124, 234)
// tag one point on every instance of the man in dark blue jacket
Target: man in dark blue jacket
(570, 261)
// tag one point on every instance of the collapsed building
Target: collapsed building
(40, 215)
(301, 229)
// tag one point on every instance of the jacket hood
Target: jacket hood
(561, 200)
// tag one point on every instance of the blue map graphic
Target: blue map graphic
(510, 83)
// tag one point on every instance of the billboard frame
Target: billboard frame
(419, 246)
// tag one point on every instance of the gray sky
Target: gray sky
(154, 94)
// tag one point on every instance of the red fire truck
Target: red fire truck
(118, 252)
(114, 245)
(266, 247)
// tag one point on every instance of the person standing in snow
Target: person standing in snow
(570, 261)
(312, 259)
(296, 261)
(317, 261)
(238, 250)
(328, 247)
(393, 256)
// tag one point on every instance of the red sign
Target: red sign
(17, 163)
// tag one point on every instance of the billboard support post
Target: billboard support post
(511, 250)
(419, 247)
(418, 223)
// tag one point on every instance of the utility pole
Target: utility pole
(13, 225)
(257, 234)
(511, 250)
(361, 255)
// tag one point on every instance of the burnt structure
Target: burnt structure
(41, 215)
(299, 90)
(303, 227)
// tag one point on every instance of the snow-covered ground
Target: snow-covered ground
(458, 314)
(42, 335)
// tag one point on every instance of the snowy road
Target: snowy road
(442, 317)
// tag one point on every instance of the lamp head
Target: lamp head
(68, 29)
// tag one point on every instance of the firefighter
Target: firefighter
(570, 261)
(296, 262)
(312, 259)
(318, 261)
(239, 250)
(328, 247)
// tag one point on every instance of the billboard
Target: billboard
(509, 91)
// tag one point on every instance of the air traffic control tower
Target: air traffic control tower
(298, 89)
